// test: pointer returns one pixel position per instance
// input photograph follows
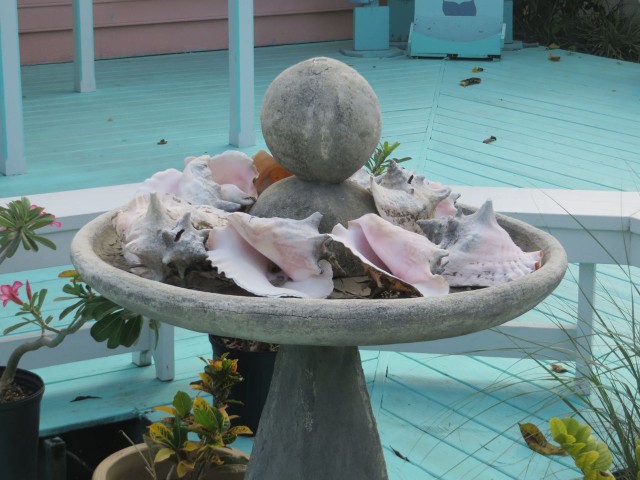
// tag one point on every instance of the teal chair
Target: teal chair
(451, 28)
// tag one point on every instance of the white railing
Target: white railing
(74, 209)
(594, 227)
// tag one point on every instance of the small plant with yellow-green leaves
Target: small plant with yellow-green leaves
(591, 456)
(197, 435)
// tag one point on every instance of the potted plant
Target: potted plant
(193, 442)
(591, 456)
(605, 397)
(21, 391)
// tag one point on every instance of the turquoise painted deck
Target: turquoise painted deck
(570, 124)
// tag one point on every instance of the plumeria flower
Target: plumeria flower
(9, 293)
(42, 213)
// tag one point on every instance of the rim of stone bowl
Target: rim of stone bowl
(324, 322)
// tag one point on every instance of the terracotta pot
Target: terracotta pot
(20, 429)
(127, 464)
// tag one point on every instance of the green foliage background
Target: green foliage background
(598, 27)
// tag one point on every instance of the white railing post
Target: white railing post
(584, 330)
(12, 158)
(83, 61)
(241, 74)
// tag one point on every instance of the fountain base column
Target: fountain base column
(317, 423)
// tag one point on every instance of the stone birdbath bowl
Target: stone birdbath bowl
(318, 422)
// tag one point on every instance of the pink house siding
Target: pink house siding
(146, 27)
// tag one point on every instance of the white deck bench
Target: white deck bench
(594, 227)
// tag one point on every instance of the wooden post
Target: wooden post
(12, 157)
(83, 60)
(241, 74)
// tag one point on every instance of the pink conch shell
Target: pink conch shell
(481, 252)
(272, 257)
(405, 255)
(162, 233)
(403, 198)
(224, 181)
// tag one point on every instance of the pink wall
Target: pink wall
(145, 27)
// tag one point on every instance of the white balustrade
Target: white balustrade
(594, 227)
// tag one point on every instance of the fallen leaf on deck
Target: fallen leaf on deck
(554, 58)
(536, 441)
(162, 142)
(79, 398)
(399, 455)
(490, 139)
(470, 81)
(558, 368)
(477, 69)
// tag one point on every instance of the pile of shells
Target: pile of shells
(198, 224)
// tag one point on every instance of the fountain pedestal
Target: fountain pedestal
(318, 402)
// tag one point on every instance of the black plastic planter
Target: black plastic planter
(257, 370)
(19, 430)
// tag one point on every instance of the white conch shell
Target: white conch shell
(248, 249)
(481, 252)
(162, 233)
(403, 198)
(405, 255)
(224, 181)
(362, 178)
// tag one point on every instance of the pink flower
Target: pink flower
(42, 212)
(10, 293)
(55, 223)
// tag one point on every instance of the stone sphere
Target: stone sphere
(321, 120)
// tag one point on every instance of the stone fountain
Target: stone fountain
(321, 120)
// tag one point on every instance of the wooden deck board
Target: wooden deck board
(567, 124)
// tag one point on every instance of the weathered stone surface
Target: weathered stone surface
(338, 203)
(321, 120)
(319, 398)
(335, 322)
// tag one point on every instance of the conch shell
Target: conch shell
(224, 181)
(272, 257)
(481, 252)
(395, 252)
(403, 198)
(161, 234)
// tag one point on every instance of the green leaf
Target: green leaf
(161, 434)
(70, 309)
(182, 403)
(103, 329)
(45, 241)
(205, 415)
(130, 331)
(162, 455)
(14, 327)
(585, 460)
(39, 297)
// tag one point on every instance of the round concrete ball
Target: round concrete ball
(321, 120)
